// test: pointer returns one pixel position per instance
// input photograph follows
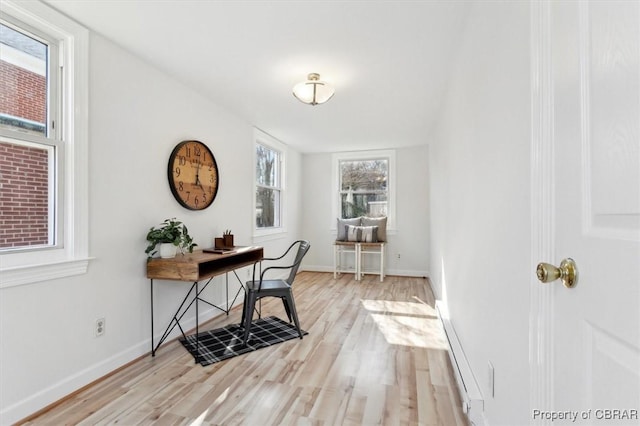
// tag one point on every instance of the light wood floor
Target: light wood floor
(375, 354)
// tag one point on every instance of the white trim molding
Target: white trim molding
(542, 207)
(71, 257)
(262, 138)
(468, 389)
(389, 154)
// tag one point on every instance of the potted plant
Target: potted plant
(171, 235)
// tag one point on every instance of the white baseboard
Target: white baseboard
(316, 268)
(70, 384)
(57, 391)
(397, 272)
(472, 400)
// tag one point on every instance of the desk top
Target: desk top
(199, 265)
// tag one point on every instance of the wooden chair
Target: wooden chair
(257, 289)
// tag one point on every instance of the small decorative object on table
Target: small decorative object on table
(228, 239)
(174, 234)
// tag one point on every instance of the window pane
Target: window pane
(364, 175)
(266, 166)
(364, 204)
(267, 208)
(363, 187)
(24, 195)
(23, 82)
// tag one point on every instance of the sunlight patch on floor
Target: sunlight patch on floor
(402, 308)
(223, 396)
(407, 323)
(200, 419)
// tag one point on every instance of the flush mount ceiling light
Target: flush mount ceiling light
(313, 91)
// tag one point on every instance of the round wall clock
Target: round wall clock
(193, 175)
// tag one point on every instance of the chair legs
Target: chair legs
(247, 314)
(292, 309)
(249, 306)
(244, 307)
(287, 308)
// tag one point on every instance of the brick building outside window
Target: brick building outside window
(25, 164)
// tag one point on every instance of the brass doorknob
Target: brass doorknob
(567, 272)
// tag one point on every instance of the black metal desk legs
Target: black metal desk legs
(175, 321)
(182, 309)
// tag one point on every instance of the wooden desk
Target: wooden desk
(195, 267)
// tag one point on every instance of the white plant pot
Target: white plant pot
(168, 250)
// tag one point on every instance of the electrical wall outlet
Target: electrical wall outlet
(100, 327)
(398, 255)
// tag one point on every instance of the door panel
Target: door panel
(596, 139)
(612, 364)
(609, 63)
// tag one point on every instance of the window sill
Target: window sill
(29, 274)
(272, 234)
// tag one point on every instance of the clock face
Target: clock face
(193, 175)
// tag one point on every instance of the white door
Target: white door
(595, 108)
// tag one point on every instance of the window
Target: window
(363, 187)
(364, 184)
(269, 185)
(43, 144)
(30, 150)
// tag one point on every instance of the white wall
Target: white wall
(479, 163)
(137, 115)
(410, 239)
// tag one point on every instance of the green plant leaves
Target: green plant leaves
(170, 231)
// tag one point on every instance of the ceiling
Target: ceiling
(388, 61)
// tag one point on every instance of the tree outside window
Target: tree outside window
(364, 188)
(268, 187)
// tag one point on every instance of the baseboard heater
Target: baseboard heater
(472, 402)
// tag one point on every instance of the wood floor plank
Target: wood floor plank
(375, 354)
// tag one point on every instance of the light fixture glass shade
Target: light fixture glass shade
(313, 91)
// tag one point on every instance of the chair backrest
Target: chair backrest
(303, 248)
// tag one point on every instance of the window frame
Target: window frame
(262, 138)
(51, 140)
(69, 255)
(390, 156)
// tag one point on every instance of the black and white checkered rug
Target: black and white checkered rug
(223, 343)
